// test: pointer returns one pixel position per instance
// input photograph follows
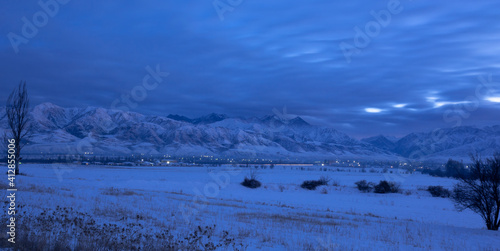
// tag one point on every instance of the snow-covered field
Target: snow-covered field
(279, 215)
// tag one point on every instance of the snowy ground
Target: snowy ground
(277, 216)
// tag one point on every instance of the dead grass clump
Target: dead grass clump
(119, 192)
(64, 228)
(40, 189)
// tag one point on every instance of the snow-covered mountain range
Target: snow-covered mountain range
(443, 143)
(58, 130)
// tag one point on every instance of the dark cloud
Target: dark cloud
(264, 55)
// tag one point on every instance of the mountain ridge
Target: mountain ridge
(59, 130)
(72, 130)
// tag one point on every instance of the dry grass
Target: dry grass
(287, 219)
(68, 229)
(40, 189)
(118, 192)
(3, 186)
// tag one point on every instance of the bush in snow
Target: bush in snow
(386, 187)
(324, 180)
(364, 186)
(282, 188)
(335, 183)
(439, 191)
(251, 181)
(324, 190)
(312, 184)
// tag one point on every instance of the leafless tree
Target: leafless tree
(479, 190)
(17, 116)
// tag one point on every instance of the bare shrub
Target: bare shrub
(324, 190)
(282, 188)
(364, 186)
(386, 187)
(324, 180)
(335, 183)
(312, 184)
(439, 191)
(251, 181)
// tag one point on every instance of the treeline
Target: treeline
(452, 169)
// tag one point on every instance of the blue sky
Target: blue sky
(430, 64)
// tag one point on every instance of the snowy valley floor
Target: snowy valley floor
(134, 206)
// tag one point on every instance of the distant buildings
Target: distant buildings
(167, 162)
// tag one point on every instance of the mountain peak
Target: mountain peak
(381, 137)
(380, 141)
(47, 105)
(298, 121)
(210, 118)
(179, 118)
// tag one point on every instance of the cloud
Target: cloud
(263, 55)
